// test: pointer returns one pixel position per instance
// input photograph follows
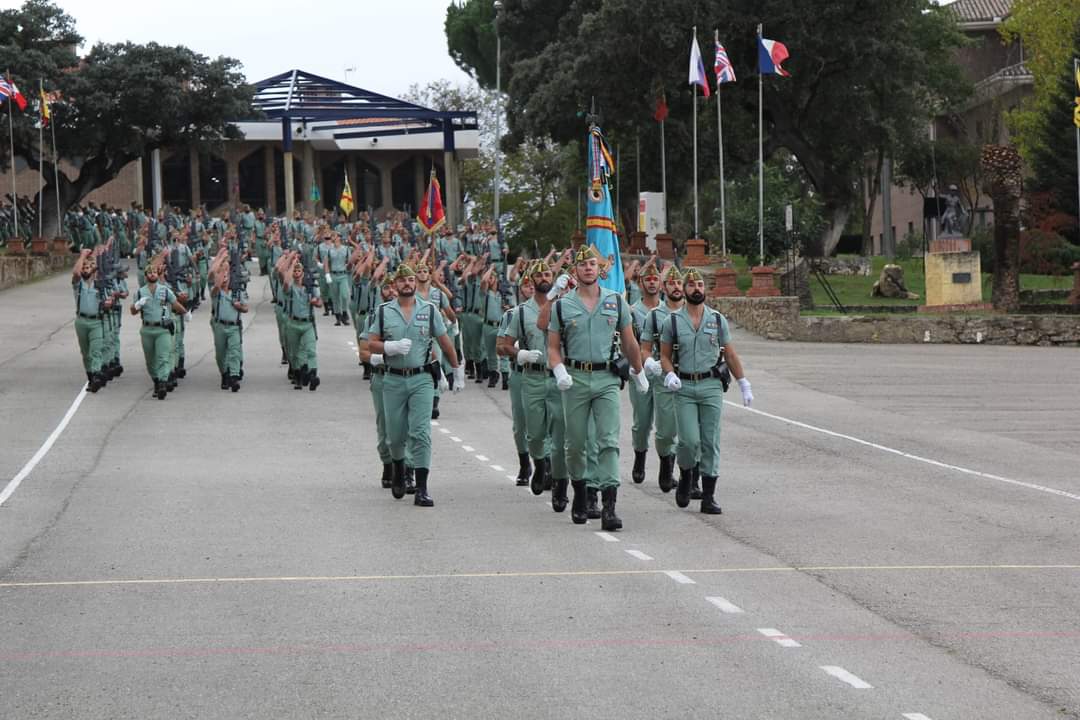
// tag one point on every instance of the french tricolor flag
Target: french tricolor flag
(770, 54)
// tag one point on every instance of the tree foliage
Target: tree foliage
(865, 75)
(117, 103)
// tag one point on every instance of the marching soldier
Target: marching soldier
(663, 402)
(584, 330)
(229, 300)
(378, 369)
(157, 303)
(695, 345)
(301, 295)
(336, 271)
(91, 304)
(403, 331)
(491, 317)
(506, 351)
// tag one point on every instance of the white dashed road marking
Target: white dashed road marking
(482, 458)
(607, 537)
(638, 554)
(725, 605)
(467, 448)
(778, 637)
(679, 577)
(916, 716)
(444, 431)
(455, 439)
(844, 676)
(498, 468)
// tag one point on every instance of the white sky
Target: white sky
(391, 43)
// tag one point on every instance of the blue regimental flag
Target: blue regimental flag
(600, 222)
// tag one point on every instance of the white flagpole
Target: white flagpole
(1076, 75)
(695, 152)
(56, 180)
(720, 143)
(761, 157)
(663, 173)
(11, 137)
(41, 162)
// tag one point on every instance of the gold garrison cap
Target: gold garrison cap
(674, 276)
(539, 266)
(691, 275)
(404, 271)
(649, 271)
(586, 252)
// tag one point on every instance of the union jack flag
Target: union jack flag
(723, 68)
(8, 91)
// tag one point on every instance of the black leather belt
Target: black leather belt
(695, 376)
(153, 324)
(492, 323)
(406, 372)
(590, 366)
(88, 317)
(307, 319)
(534, 367)
(226, 322)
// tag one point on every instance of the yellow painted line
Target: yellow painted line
(526, 574)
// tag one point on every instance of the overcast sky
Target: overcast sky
(391, 43)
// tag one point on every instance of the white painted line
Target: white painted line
(435, 423)
(455, 439)
(638, 554)
(467, 448)
(916, 716)
(679, 577)
(606, 537)
(910, 456)
(725, 605)
(843, 675)
(780, 638)
(482, 458)
(28, 468)
(444, 431)
(498, 468)
(511, 477)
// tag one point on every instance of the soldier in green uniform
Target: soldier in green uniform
(378, 369)
(518, 414)
(694, 342)
(322, 253)
(584, 329)
(403, 331)
(262, 251)
(336, 274)
(119, 291)
(662, 399)
(491, 316)
(157, 303)
(438, 297)
(91, 305)
(301, 295)
(277, 251)
(642, 405)
(227, 305)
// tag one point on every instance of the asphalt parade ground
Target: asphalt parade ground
(900, 539)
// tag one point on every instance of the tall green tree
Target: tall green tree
(865, 76)
(117, 103)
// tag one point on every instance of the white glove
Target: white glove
(672, 382)
(329, 278)
(452, 329)
(188, 317)
(459, 379)
(376, 359)
(747, 395)
(652, 367)
(444, 386)
(640, 381)
(560, 284)
(562, 377)
(397, 347)
(140, 302)
(529, 357)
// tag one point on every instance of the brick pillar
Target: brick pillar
(269, 173)
(695, 253)
(724, 283)
(637, 244)
(763, 284)
(665, 246)
(1074, 298)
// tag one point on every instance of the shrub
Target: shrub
(1046, 253)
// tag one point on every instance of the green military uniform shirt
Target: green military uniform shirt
(158, 307)
(652, 326)
(425, 325)
(87, 299)
(587, 336)
(698, 349)
(223, 306)
(525, 316)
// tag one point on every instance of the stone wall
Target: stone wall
(18, 269)
(778, 318)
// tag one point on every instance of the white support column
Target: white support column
(155, 177)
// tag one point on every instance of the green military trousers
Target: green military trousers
(545, 425)
(643, 406)
(282, 321)
(490, 341)
(340, 291)
(112, 340)
(91, 334)
(517, 413)
(407, 402)
(178, 340)
(300, 339)
(380, 417)
(157, 346)
(664, 419)
(697, 408)
(593, 396)
(228, 348)
(472, 336)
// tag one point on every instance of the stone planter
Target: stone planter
(724, 283)
(16, 247)
(665, 246)
(763, 284)
(39, 246)
(60, 246)
(1074, 299)
(695, 253)
(637, 244)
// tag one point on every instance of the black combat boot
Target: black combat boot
(559, 500)
(299, 378)
(493, 378)
(422, 498)
(326, 309)
(367, 370)
(638, 473)
(481, 371)
(387, 475)
(548, 482)
(708, 488)
(397, 482)
(96, 381)
(682, 492)
(181, 373)
(435, 408)
(410, 480)
(469, 371)
(524, 470)
(284, 358)
(170, 384)
(313, 380)
(592, 507)
(337, 320)
(578, 512)
(608, 519)
(667, 467)
(224, 381)
(539, 474)
(345, 319)
(506, 381)
(695, 488)
(291, 373)
(160, 391)
(234, 383)
(119, 369)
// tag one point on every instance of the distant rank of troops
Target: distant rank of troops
(430, 312)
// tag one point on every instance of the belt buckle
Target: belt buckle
(587, 367)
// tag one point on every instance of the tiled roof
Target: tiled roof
(981, 10)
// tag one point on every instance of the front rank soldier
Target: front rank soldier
(378, 370)
(518, 413)
(228, 301)
(301, 295)
(404, 331)
(696, 354)
(585, 329)
(662, 399)
(91, 304)
(157, 303)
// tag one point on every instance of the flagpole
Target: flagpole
(720, 142)
(761, 156)
(695, 153)
(56, 180)
(663, 174)
(41, 162)
(11, 137)
(1076, 75)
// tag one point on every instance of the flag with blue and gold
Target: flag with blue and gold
(600, 230)
(346, 201)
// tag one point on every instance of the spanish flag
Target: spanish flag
(432, 215)
(346, 201)
(46, 113)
